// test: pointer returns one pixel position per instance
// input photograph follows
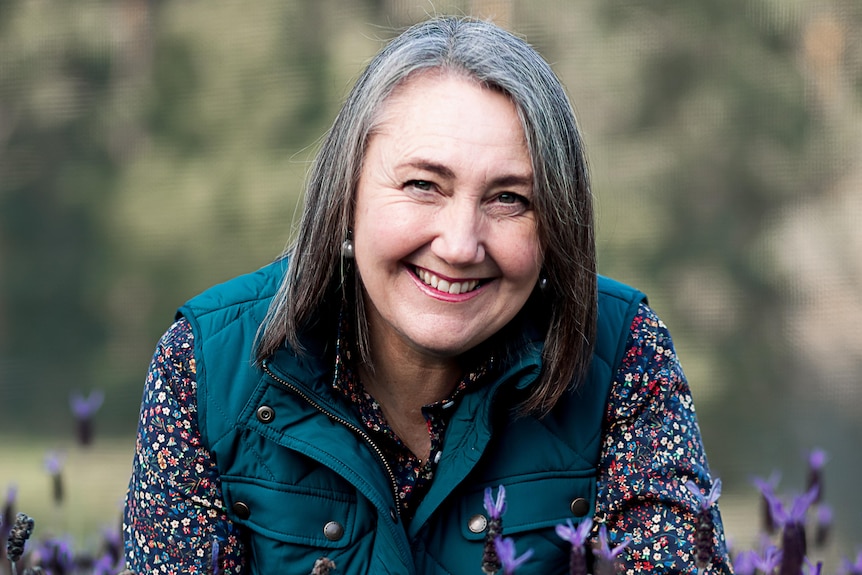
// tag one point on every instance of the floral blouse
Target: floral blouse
(174, 512)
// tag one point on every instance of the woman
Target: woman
(437, 329)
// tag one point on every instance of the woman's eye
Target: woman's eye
(512, 198)
(423, 185)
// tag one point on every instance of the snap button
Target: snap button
(478, 523)
(580, 507)
(241, 509)
(265, 414)
(333, 531)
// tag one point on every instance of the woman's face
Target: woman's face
(445, 236)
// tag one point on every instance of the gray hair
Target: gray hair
(317, 283)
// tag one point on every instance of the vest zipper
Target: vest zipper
(354, 428)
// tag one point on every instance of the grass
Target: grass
(95, 481)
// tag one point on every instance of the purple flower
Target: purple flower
(577, 536)
(605, 550)
(767, 486)
(605, 557)
(744, 562)
(768, 561)
(849, 568)
(214, 562)
(54, 466)
(495, 509)
(56, 555)
(816, 460)
(707, 500)
(506, 552)
(814, 568)
(797, 510)
(84, 408)
(824, 525)
(705, 525)
(792, 522)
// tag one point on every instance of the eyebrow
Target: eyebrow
(446, 172)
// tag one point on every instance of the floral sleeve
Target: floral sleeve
(174, 520)
(652, 447)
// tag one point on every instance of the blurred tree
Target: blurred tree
(722, 109)
(56, 170)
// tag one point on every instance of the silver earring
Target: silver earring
(543, 284)
(347, 249)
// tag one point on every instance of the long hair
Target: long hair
(316, 281)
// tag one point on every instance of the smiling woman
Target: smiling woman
(438, 328)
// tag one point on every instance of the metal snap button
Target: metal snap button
(265, 414)
(241, 509)
(580, 507)
(477, 524)
(333, 530)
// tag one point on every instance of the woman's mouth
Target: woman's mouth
(446, 286)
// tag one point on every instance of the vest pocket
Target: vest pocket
(291, 514)
(533, 502)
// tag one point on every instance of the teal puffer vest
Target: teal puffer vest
(304, 481)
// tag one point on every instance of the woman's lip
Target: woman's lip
(445, 284)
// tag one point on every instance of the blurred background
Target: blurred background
(149, 149)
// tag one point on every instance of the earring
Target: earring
(543, 284)
(347, 249)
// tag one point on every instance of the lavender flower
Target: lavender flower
(743, 563)
(506, 552)
(849, 568)
(814, 568)
(816, 460)
(792, 522)
(215, 566)
(767, 486)
(54, 466)
(705, 523)
(768, 561)
(18, 536)
(112, 544)
(495, 509)
(56, 556)
(84, 408)
(606, 558)
(577, 536)
(323, 566)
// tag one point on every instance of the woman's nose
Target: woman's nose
(459, 239)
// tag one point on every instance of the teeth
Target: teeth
(453, 288)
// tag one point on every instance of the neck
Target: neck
(402, 381)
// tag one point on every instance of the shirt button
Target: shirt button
(265, 414)
(580, 507)
(333, 531)
(477, 523)
(241, 509)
